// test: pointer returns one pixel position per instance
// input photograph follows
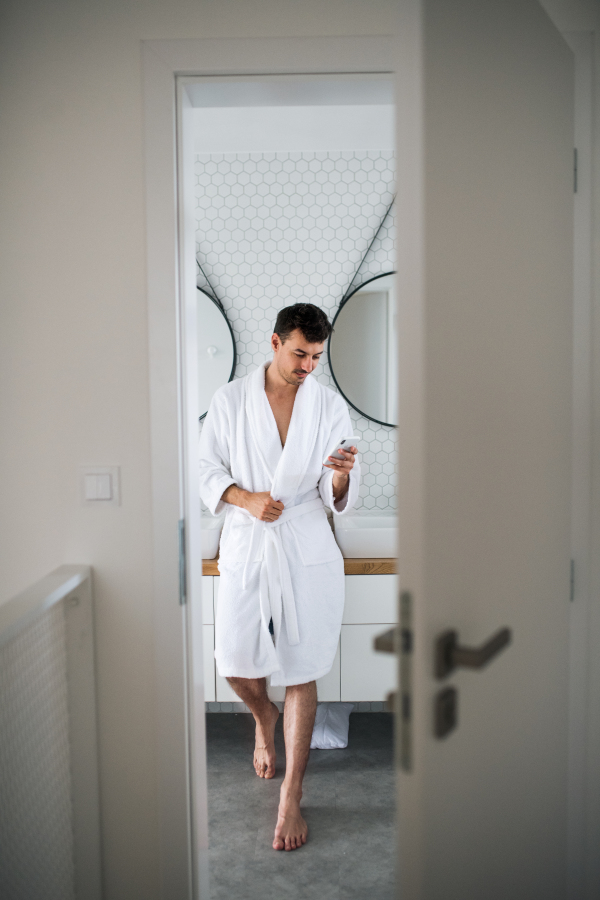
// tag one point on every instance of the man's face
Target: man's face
(296, 358)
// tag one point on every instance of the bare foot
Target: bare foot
(264, 751)
(291, 830)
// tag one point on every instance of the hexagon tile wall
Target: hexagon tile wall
(280, 228)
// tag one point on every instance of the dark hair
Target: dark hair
(307, 318)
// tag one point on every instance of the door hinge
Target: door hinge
(572, 582)
(575, 170)
(182, 566)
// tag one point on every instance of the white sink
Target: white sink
(366, 535)
(210, 534)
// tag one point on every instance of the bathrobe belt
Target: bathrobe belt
(275, 590)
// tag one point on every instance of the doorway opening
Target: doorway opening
(288, 190)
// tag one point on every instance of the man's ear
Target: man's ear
(275, 342)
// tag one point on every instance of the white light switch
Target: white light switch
(100, 485)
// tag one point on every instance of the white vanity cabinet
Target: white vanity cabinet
(370, 609)
(358, 672)
(208, 637)
(223, 693)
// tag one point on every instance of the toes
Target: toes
(277, 844)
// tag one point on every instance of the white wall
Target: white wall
(73, 351)
(294, 128)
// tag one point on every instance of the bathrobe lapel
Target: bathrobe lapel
(262, 422)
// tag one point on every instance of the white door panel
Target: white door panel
(485, 306)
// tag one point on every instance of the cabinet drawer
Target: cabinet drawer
(208, 659)
(328, 687)
(370, 598)
(365, 674)
(208, 617)
(225, 694)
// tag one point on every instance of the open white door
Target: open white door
(485, 288)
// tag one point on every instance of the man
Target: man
(281, 594)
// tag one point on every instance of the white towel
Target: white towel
(332, 722)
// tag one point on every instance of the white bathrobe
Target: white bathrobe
(290, 571)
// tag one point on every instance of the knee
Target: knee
(309, 688)
(255, 687)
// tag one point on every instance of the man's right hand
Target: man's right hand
(262, 506)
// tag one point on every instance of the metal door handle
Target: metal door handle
(449, 655)
(394, 640)
(386, 642)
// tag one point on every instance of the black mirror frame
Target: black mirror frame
(340, 308)
(221, 309)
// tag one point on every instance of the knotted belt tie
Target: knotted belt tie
(275, 583)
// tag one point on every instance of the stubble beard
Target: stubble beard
(290, 377)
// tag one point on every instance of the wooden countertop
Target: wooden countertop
(368, 566)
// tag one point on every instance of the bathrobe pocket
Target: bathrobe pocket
(314, 539)
(235, 540)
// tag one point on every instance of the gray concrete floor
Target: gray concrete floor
(348, 804)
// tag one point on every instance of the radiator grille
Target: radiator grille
(36, 838)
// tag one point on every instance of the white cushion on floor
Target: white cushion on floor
(331, 726)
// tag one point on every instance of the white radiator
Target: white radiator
(49, 814)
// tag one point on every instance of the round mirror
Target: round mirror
(362, 350)
(216, 349)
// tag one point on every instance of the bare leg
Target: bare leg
(253, 691)
(298, 722)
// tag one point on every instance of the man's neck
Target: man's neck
(276, 384)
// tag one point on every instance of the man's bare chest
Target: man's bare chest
(282, 409)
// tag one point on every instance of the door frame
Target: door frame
(181, 752)
(584, 719)
(180, 736)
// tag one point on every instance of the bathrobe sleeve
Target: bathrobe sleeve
(215, 461)
(341, 426)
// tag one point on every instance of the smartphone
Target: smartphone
(345, 443)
